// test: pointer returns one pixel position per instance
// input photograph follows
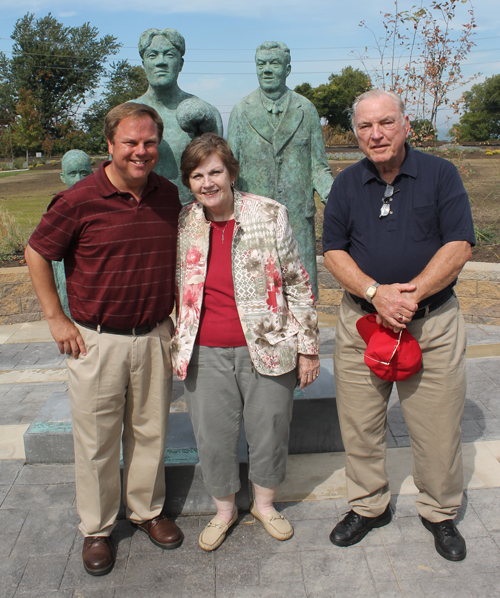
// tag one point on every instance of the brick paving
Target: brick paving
(40, 546)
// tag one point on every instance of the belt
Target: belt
(138, 331)
(420, 313)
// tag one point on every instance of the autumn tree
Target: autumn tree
(421, 56)
(27, 130)
(481, 118)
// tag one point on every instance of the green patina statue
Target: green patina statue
(184, 115)
(276, 135)
(75, 166)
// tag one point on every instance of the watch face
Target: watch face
(370, 291)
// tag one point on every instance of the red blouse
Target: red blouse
(220, 324)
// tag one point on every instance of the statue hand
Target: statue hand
(196, 117)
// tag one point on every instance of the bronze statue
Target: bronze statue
(276, 135)
(75, 166)
(184, 115)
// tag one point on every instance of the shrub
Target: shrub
(18, 163)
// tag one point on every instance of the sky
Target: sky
(221, 36)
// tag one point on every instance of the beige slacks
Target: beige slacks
(120, 392)
(432, 402)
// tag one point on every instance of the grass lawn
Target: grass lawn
(3, 175)
(27, 212)
(26, 195)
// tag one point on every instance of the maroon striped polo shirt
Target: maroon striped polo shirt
(119, 254)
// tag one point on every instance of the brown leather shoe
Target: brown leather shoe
(98, 556)
(162, 532)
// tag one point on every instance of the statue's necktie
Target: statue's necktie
(275, 114)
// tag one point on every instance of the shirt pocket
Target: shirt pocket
(424, 223)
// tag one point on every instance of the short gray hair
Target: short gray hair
(271, 45)
(376, 93)
(173, 36)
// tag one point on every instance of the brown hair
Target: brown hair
(133, 110)
(200, 148)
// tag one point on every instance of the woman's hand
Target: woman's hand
(308, 369)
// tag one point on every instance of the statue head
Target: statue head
(162, 52)
(75, 166)
(273, 67)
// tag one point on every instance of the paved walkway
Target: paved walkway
(40, 548)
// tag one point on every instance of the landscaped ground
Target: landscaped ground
(25, 196)
(481, 176)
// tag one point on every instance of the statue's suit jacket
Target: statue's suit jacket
(287, 163)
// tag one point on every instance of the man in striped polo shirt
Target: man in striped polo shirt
(116, 231)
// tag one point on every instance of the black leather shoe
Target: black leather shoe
(447, 539)
(353, 528)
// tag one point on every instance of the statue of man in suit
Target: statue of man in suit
(276, 135)
(184, 115)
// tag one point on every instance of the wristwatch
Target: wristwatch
(371, 291)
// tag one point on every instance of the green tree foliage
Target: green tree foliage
(125, 83)
(61, 66)
(333, 99)
(7, 101)
(481, 119)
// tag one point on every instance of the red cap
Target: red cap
(391, 356)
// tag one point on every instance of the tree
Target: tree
(7, 102)
(422, 130)
(481, 119)
(125, 83)
(27, 131)
(420, 57)
(333, 100)
(61, 66)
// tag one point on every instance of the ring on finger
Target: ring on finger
(400, 318)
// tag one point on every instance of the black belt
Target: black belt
(420, 313)
(139, 331)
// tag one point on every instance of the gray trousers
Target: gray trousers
(222, 388)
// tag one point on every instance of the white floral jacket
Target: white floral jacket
(271, 287)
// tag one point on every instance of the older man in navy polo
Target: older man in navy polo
(397, 232)
(116, 230)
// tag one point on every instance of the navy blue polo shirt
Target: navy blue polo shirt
(430, 208)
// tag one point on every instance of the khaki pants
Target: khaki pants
(120, 391)
(432, 402)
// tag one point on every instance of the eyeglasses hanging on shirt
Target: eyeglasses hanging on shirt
(389, 193)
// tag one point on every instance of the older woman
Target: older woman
(246, 331)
